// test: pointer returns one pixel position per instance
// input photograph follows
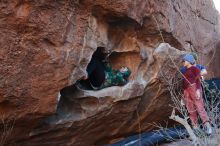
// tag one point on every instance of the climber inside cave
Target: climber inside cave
(101, 74)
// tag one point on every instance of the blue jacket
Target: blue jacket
(199, 66)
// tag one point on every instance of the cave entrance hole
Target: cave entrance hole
(95, 70)
(70, 106)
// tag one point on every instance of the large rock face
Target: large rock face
(47, 45)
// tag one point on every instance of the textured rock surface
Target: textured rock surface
(47, 45)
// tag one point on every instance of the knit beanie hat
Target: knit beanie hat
(189, 58)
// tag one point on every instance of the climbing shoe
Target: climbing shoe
(208, 128)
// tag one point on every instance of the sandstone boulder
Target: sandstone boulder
(47, 45)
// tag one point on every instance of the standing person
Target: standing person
(203, 72)
(193, 94)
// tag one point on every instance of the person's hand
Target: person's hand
(198, 94)
(123, 69)
(182, 102)
(202, 77)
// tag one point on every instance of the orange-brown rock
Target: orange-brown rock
(47, 45)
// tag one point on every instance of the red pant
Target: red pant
(194, 105)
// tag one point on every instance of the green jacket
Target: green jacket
(113, 77)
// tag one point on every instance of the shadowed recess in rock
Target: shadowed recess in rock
(95, 70)
(69, 107)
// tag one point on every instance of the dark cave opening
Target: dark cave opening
(95, 70)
